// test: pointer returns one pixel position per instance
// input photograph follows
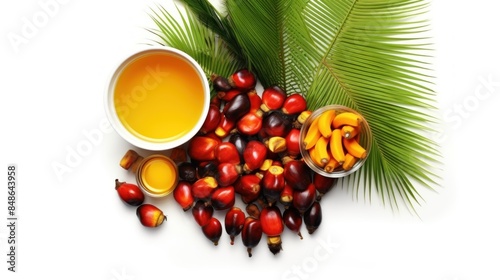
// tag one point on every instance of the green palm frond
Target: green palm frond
(195, 38)
(370, 55)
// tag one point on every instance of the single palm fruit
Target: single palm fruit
(251, 233)
(183, 195)
(313, 217)
(150, 215)
(233, 222)
(242, 79)
(129, 193)
(293, 220)
(272, 226)
(294, 104)
(213, 230)
(223, 198)
(302, 200)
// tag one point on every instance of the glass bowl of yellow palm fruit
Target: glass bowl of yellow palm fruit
(335, 141)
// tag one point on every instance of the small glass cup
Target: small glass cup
(365, 140)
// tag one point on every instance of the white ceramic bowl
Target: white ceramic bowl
(144, 142)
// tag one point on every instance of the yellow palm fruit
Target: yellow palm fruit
(349, 162)
(354, 148)
(321, 150)
(346, 118)
(325, 121)
(336, 146)
(312, 135)
(331, 164)
(315, 157)
(349, 132)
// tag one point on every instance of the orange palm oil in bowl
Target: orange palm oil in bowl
(159, 99)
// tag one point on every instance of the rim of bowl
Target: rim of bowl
(339, 173)
(120, 128)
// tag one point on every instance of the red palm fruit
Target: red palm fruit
(297, 174)
(273, 184)
(220, 83)
(286, 195)
(183, 195)
(226, 152)
(323, 184)
(294, 104)
(272, 226)
(293, 220)
(203, 187)
(243, 79)
(228, 95)
(255, 101)
(272, 98)
(228, 173)
(216, 101)
(254, 155)
(237, 107)
(223, 198)
(251, 233)
(150, 215)
(187, 171)
(202, 212)
(202, 148)
(276, 124)
(233, 222)
(276, 144)
(207, 169)
(250, 124)
(248, 184)
(213, 230)
(129, 193)
(211, 120)
(224, 127)
(302, 200)
(292, 142)
(240, 142)
(313, 217)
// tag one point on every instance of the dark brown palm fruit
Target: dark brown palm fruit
(276, 123)
(313, 217)
(293, 220)
(187, 171)
(297, 174)
(251, 234)
(302, 200)
(237, 107)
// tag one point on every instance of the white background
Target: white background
(75, 227)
